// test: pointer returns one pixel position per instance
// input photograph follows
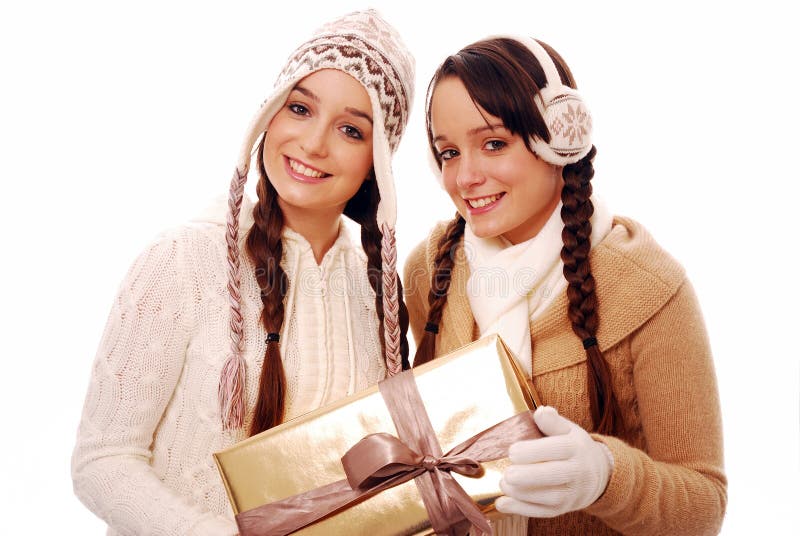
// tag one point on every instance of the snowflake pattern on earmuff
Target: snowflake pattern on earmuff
(569, 124)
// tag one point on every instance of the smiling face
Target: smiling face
(318, 147)
(498, 185)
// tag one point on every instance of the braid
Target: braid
(582, 309)
(363, 209)
(265, 249)
(440, 285)
(371, 242)
(232, 375)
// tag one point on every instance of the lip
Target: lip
(486, 208)
(299, 176)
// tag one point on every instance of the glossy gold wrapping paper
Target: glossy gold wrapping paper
(464, 393)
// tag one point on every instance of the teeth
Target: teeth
(483, 201)
(303, 170)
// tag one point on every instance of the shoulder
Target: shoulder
(191, 251)
(632, 250)
(420, 259)
(419, 262)
(635, 278)
(197, 239)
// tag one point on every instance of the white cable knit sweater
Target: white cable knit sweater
(151, 421)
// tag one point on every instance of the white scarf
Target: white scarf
(511, 285)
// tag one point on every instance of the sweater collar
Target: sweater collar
(293, 240)
(216, 213)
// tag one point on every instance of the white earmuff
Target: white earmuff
(566, 115)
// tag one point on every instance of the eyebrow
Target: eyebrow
(313, 96)
(307, 92)
(473, 131)
(359, 113)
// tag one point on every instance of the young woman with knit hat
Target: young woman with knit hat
(257, 312)
(603, 321)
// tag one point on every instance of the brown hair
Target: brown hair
(265, 250)
(503, 77)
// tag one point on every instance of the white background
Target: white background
(118, 120)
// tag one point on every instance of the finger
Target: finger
(551, 496)
(538, 475)
(507, 505)
(550, 422)
(545, 449)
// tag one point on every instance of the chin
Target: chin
(484, 231)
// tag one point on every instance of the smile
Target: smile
(481, 204)
(302, 171)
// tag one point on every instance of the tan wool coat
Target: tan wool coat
(668, 475)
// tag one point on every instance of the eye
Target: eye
(448, 154)
(494, 145)
(298, 109)
(352, 132)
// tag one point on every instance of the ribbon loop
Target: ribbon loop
(378, 457)
(461, 465)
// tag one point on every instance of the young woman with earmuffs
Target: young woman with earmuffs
(603, 321)
(256, 312)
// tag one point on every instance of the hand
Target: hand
(563, 472)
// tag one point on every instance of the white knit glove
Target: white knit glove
(563, 472)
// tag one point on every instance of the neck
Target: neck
(319, 228)
(536, 222)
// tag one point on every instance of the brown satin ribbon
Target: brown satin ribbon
(381, 461)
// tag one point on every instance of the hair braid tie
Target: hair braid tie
(588, 342)
(232, 376)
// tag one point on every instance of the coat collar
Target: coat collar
(634, 278)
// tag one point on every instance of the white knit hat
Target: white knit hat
(367, 48)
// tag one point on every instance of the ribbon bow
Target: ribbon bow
(381, 461)
(382, 455)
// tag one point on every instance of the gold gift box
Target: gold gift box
(464, 392)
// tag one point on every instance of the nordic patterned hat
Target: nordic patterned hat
(367, 48)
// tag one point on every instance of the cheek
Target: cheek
(449, 181)
(268, 156)
(364, 163)
(549, 187)
(354, 159)
(272, 157)
(509, 172)
(278, 127)
(276, 133)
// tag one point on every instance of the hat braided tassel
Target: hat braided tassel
(391, 304)
(231, 392)
(232, 376)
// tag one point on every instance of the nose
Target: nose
(314, 141)
(469, 173)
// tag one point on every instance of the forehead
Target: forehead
(336, 88)
(454, 113)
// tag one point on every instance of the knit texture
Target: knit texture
(668, 475)
(151, 421)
